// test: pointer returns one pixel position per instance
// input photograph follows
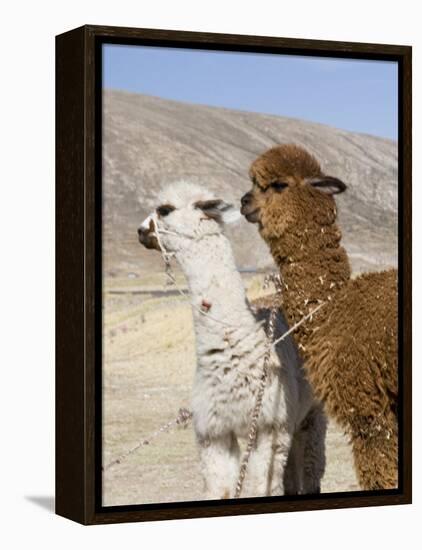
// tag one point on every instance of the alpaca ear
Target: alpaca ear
(219, 210)
(328, 184)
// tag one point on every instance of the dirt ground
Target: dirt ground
(148, 367)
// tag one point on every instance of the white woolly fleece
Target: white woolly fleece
(230, 363)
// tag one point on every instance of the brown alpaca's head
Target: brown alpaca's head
(289, 192)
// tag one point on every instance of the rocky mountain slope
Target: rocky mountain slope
(149, 142)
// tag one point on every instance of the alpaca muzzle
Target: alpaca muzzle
(249, 209)
(147, 236)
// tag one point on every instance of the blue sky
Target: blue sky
(354, 95)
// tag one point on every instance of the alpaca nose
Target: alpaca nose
(246, 199)
(143, 234)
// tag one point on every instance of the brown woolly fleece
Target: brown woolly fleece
(349, 347)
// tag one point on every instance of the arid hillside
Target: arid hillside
(150, 142)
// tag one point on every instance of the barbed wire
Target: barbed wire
(182, 419)
(256, 413)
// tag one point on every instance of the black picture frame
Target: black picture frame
(79, 274)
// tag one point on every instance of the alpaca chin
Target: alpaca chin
(253, 217)
(149, 241)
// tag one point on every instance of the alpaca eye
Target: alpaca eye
(279, 185)
(165, 210)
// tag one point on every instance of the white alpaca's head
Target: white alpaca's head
(185, 212)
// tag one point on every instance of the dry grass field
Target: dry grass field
(148, 366)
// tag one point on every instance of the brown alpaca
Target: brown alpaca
(349, 346)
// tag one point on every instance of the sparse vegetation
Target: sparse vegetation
(145, 384)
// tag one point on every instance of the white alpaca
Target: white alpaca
(230, 344)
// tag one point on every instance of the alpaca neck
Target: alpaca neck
(215, 286)
(314, 267)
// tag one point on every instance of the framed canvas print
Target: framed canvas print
(233, 274)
